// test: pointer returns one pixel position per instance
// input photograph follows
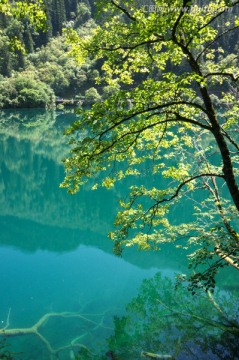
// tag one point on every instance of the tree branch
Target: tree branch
(139, 131)
(179, 18)
(218, 73)
(128, 47)
(226, 257)
(186, 182)
(123, 10)
(158, 202)
(215, 17)
(231, 231)
(34, 330)
(214, 40)
(157, 107)
(230, 139)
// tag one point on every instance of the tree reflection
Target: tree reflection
(164, 322)
(31, 170)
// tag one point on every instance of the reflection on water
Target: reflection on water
(31, 170)
(160, 320)
(55, 254)
(87, 281)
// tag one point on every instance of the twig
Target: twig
(34, 330)
(8, 319)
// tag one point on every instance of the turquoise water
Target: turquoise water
(55, 253)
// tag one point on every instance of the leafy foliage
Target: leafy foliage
(164, 125)
(33, 10)
(24, 50)
(91, 96)
(25, 90)
(29, 12)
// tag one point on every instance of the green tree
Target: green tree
(91, 96)
(18, 21)
(109, 90)
(58, 70)
(53, 75)
(5, 57)
(25, 91)
(58, 16)
(165, 124)
(31, 11)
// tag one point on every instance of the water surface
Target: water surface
(55, 253)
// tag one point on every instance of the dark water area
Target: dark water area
(55, 256)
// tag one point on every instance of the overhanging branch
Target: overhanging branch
(141, 130)
(214, 40)
(158, 202)
(186, 182)
(220, 73)
(153, 111)
(123, 10)
(230, 139)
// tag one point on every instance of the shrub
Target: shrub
(25, 90)
(91, 96)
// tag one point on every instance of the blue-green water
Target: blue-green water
(55, 253)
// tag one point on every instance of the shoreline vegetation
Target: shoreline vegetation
(40, 73)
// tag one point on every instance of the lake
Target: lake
(56, 257)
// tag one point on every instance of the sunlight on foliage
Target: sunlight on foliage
(172, 125)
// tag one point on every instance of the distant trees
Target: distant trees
(58, 16)
(6, 56)
(92, 96)
(42, 20)
(25, 90)
(42, 51)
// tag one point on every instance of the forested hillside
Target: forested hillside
(35, 68)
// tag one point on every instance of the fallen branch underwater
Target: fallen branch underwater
(150, 355)
(231, 261)
(34, 330)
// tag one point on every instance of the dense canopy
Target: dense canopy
(173, 125)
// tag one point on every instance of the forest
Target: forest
(35, 68)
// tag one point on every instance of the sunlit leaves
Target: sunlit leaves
(30, 11)
(78, 44)
(34, 11)
(5, 7)
(163, 125)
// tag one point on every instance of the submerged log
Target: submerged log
(34, 330)
(150, 355)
